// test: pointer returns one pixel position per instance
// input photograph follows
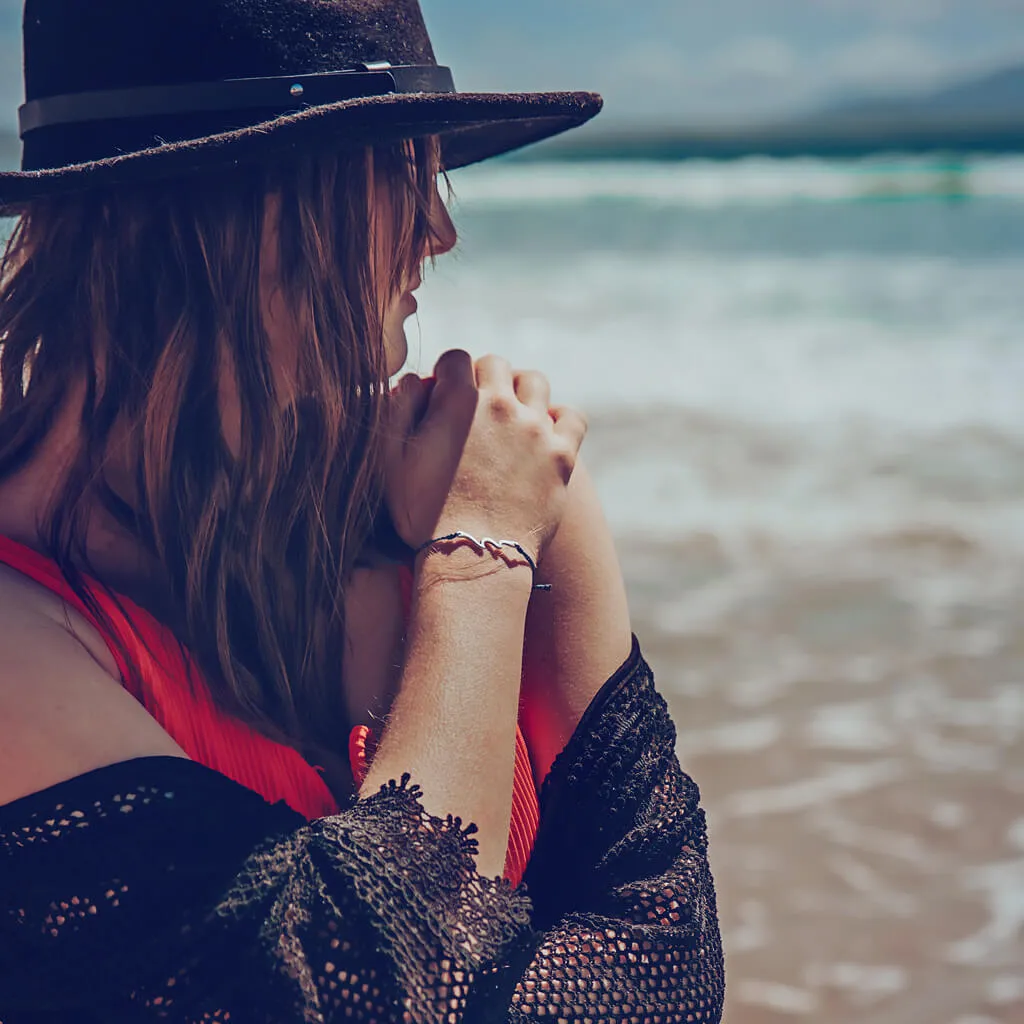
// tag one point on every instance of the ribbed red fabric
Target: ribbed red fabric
(187, 713)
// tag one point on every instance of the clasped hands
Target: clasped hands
(576, 634)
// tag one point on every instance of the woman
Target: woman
(209, 502)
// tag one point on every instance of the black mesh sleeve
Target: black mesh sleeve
(622, 893)
(157, 889)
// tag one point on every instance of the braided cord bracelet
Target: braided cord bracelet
(487, 544)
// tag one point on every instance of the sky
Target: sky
(690, 62)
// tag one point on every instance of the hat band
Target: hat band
(283, 93)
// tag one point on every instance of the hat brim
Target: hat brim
(471, 127)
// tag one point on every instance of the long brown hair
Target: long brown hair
(147, 293)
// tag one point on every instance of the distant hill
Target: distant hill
(984, 114)
(998, 94)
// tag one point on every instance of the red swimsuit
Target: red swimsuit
(187, 713)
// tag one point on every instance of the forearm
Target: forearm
(578, 633)
(452, 724)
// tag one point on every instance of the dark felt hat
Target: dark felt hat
(125, 90)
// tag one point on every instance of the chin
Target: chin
(397, 349)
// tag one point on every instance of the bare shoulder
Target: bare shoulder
(63, 710)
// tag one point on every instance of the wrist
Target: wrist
(463, 559)
(461, 564)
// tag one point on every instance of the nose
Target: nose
(443, 233)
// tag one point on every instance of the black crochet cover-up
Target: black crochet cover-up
(158, 889)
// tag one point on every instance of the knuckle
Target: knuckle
(536, 430)
(501, 407)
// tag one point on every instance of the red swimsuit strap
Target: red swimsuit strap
(158, 673)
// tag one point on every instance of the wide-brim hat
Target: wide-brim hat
(123, 91)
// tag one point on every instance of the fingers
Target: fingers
(533, 389)
(454, 371)
(442, 432)
(456, 367)
(457, 375)
(495, 373)
(454, 391)
(570, 424)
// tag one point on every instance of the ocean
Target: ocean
(805, 387)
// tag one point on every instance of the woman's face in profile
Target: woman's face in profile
(403, 304)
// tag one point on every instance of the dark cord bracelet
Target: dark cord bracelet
(487, 544)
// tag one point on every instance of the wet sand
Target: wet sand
(855, 721)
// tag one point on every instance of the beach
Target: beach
(805, 387)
